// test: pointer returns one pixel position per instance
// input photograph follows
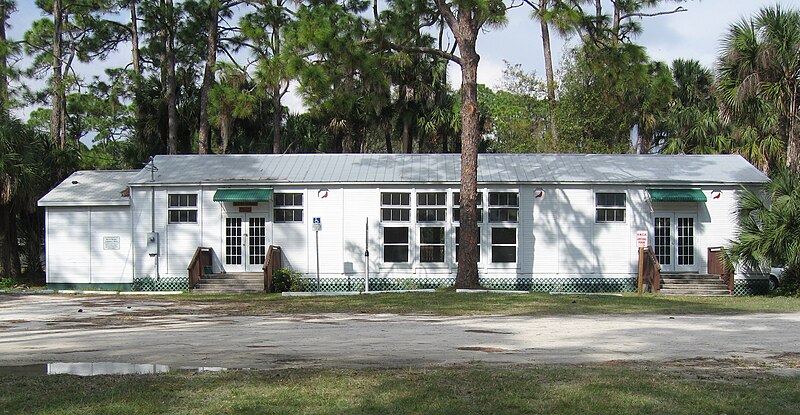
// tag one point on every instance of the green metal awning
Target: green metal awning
(243, 195)
(677, 195)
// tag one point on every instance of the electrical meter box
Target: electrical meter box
(152, 243)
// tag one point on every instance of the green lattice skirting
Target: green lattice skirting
(750, 287)
(161, 284)
(577, 285)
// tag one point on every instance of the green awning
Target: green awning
(243, 195)
(677, 195)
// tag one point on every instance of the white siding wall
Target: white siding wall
(75, 250)
(557, 235)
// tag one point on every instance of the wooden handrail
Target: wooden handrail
(717, 266)
(200, 260)
(649, 269)
(272, 263)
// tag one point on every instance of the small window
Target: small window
(610, 207)
(431, 207)
(395, 244)
(458, 242)
(389, 211)
(504, 245)
(457, 209)
(288, 207)
(431, 244)
(182, 208)
(503, 207)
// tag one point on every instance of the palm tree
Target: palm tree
(759, 80)
(769, 230)
(21, 151)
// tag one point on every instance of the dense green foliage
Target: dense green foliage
(769, 227)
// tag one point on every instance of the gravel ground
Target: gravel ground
(37, 329)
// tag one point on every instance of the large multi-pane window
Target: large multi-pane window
(395, 244)
(457, 204)
(503, 207)
(610, 207)
(395, 206)
(182, 208)
(288, 207)
(431, 244)
(431, 207)
(504, 245)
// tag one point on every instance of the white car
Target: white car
(775, 277)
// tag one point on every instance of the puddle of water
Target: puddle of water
(98, 368)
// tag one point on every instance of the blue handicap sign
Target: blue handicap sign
(317, 220)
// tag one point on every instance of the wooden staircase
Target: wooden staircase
(705, 285)
(234, 283)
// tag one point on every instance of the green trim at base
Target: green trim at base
(751, 287)
(89, 286)
(577, 285)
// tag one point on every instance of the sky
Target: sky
(693, 34)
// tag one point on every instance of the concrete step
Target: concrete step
(688, 281)
(240, 276)
(694, 292)
(694, 286)
(225, 291)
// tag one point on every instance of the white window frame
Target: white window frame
(616, 208)
(508, 207)
(279, 210)
(399, 207)
(492, 245)
(183, 208)
(408, 245)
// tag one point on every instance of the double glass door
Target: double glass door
(245, 243)
(674, 242)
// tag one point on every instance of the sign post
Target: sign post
(366, 256)
(316, 226)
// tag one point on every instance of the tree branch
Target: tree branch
(426, 50)
(677, 10)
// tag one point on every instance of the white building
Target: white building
(549, 222)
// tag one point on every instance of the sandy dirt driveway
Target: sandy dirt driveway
(45, 329)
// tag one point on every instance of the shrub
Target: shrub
(285, 279)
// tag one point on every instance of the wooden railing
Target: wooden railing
(649, 270)
(199, 265)
(272, 262)
(717, 266)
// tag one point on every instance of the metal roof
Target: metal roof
(445, 168)
(91, 188)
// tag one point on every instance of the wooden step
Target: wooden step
(232, 282)
(692, 284)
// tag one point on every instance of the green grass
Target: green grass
(466, 389)
(451, 303)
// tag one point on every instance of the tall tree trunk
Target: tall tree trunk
(467, 276)
(388, 138)
(9, 250)
(548, 70)
(57, 83)
(135, 58)
(204, 135)
(4, 10)
(792, 145)
(277, 116)
(407, 141)
(277, 94)
(172, 105)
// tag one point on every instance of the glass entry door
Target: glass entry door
(673, 242)
(245, 243)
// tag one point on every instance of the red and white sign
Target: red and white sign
(641, 239)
